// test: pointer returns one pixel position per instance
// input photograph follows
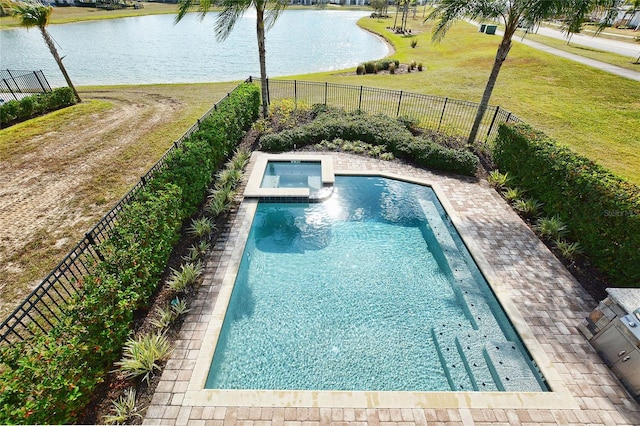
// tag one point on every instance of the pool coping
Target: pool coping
(196, 395)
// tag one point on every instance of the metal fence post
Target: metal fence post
(35, 74)
(326, 85)
(360, 101)
(295, 93)
(92, 241)
(14, 82)
(268, 93)
(399, 102)
(9, 87)
(442, 114)
(493, 120)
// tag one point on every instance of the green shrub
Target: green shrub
(372, 67)
(392, 134)
(9, 112)
(601, 210)
(369, 67)
(34, 105)
(429, 154)
(28, 107)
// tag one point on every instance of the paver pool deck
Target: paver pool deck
(543, 300)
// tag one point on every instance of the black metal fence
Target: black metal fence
(449, 116)
(44, 306)
(16, 84)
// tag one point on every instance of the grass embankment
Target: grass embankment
(66, 15)
(595, 113)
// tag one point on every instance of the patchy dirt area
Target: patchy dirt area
(44, 190)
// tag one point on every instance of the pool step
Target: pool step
(481, 316)
(466, 287)
(473, 362)
(510, 370)
(472, 345)
(451, 360)
(270, 181)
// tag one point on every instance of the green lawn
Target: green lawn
(595, 113)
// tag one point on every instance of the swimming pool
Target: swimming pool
(369, 290)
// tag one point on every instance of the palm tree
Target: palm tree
(511, 13)
(32, 14)
(267, 13)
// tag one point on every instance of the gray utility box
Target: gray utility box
(619, 345)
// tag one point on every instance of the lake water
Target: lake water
(151, 49)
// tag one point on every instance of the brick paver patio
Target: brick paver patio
(541, 293)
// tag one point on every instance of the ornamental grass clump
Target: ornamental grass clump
(551, 227)
(143, 355)
(164, 317)
(196, 251)
(498, 180)
(229, 177)
(124, 408)
(568, 250)
(201, 227)
(240, 159)
(513, 194)
(185, 276)
(529, 207)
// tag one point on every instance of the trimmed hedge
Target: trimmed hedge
(601, 210)
(32, 106)
(392, 134)
(49, 379)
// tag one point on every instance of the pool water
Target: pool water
(371, 289)
(293, 174)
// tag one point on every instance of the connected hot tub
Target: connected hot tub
(286, 178)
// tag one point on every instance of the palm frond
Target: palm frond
(231, 12)
(273, 9)
(32, 14)
(185, 6)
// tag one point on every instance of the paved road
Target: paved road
(630, 49)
